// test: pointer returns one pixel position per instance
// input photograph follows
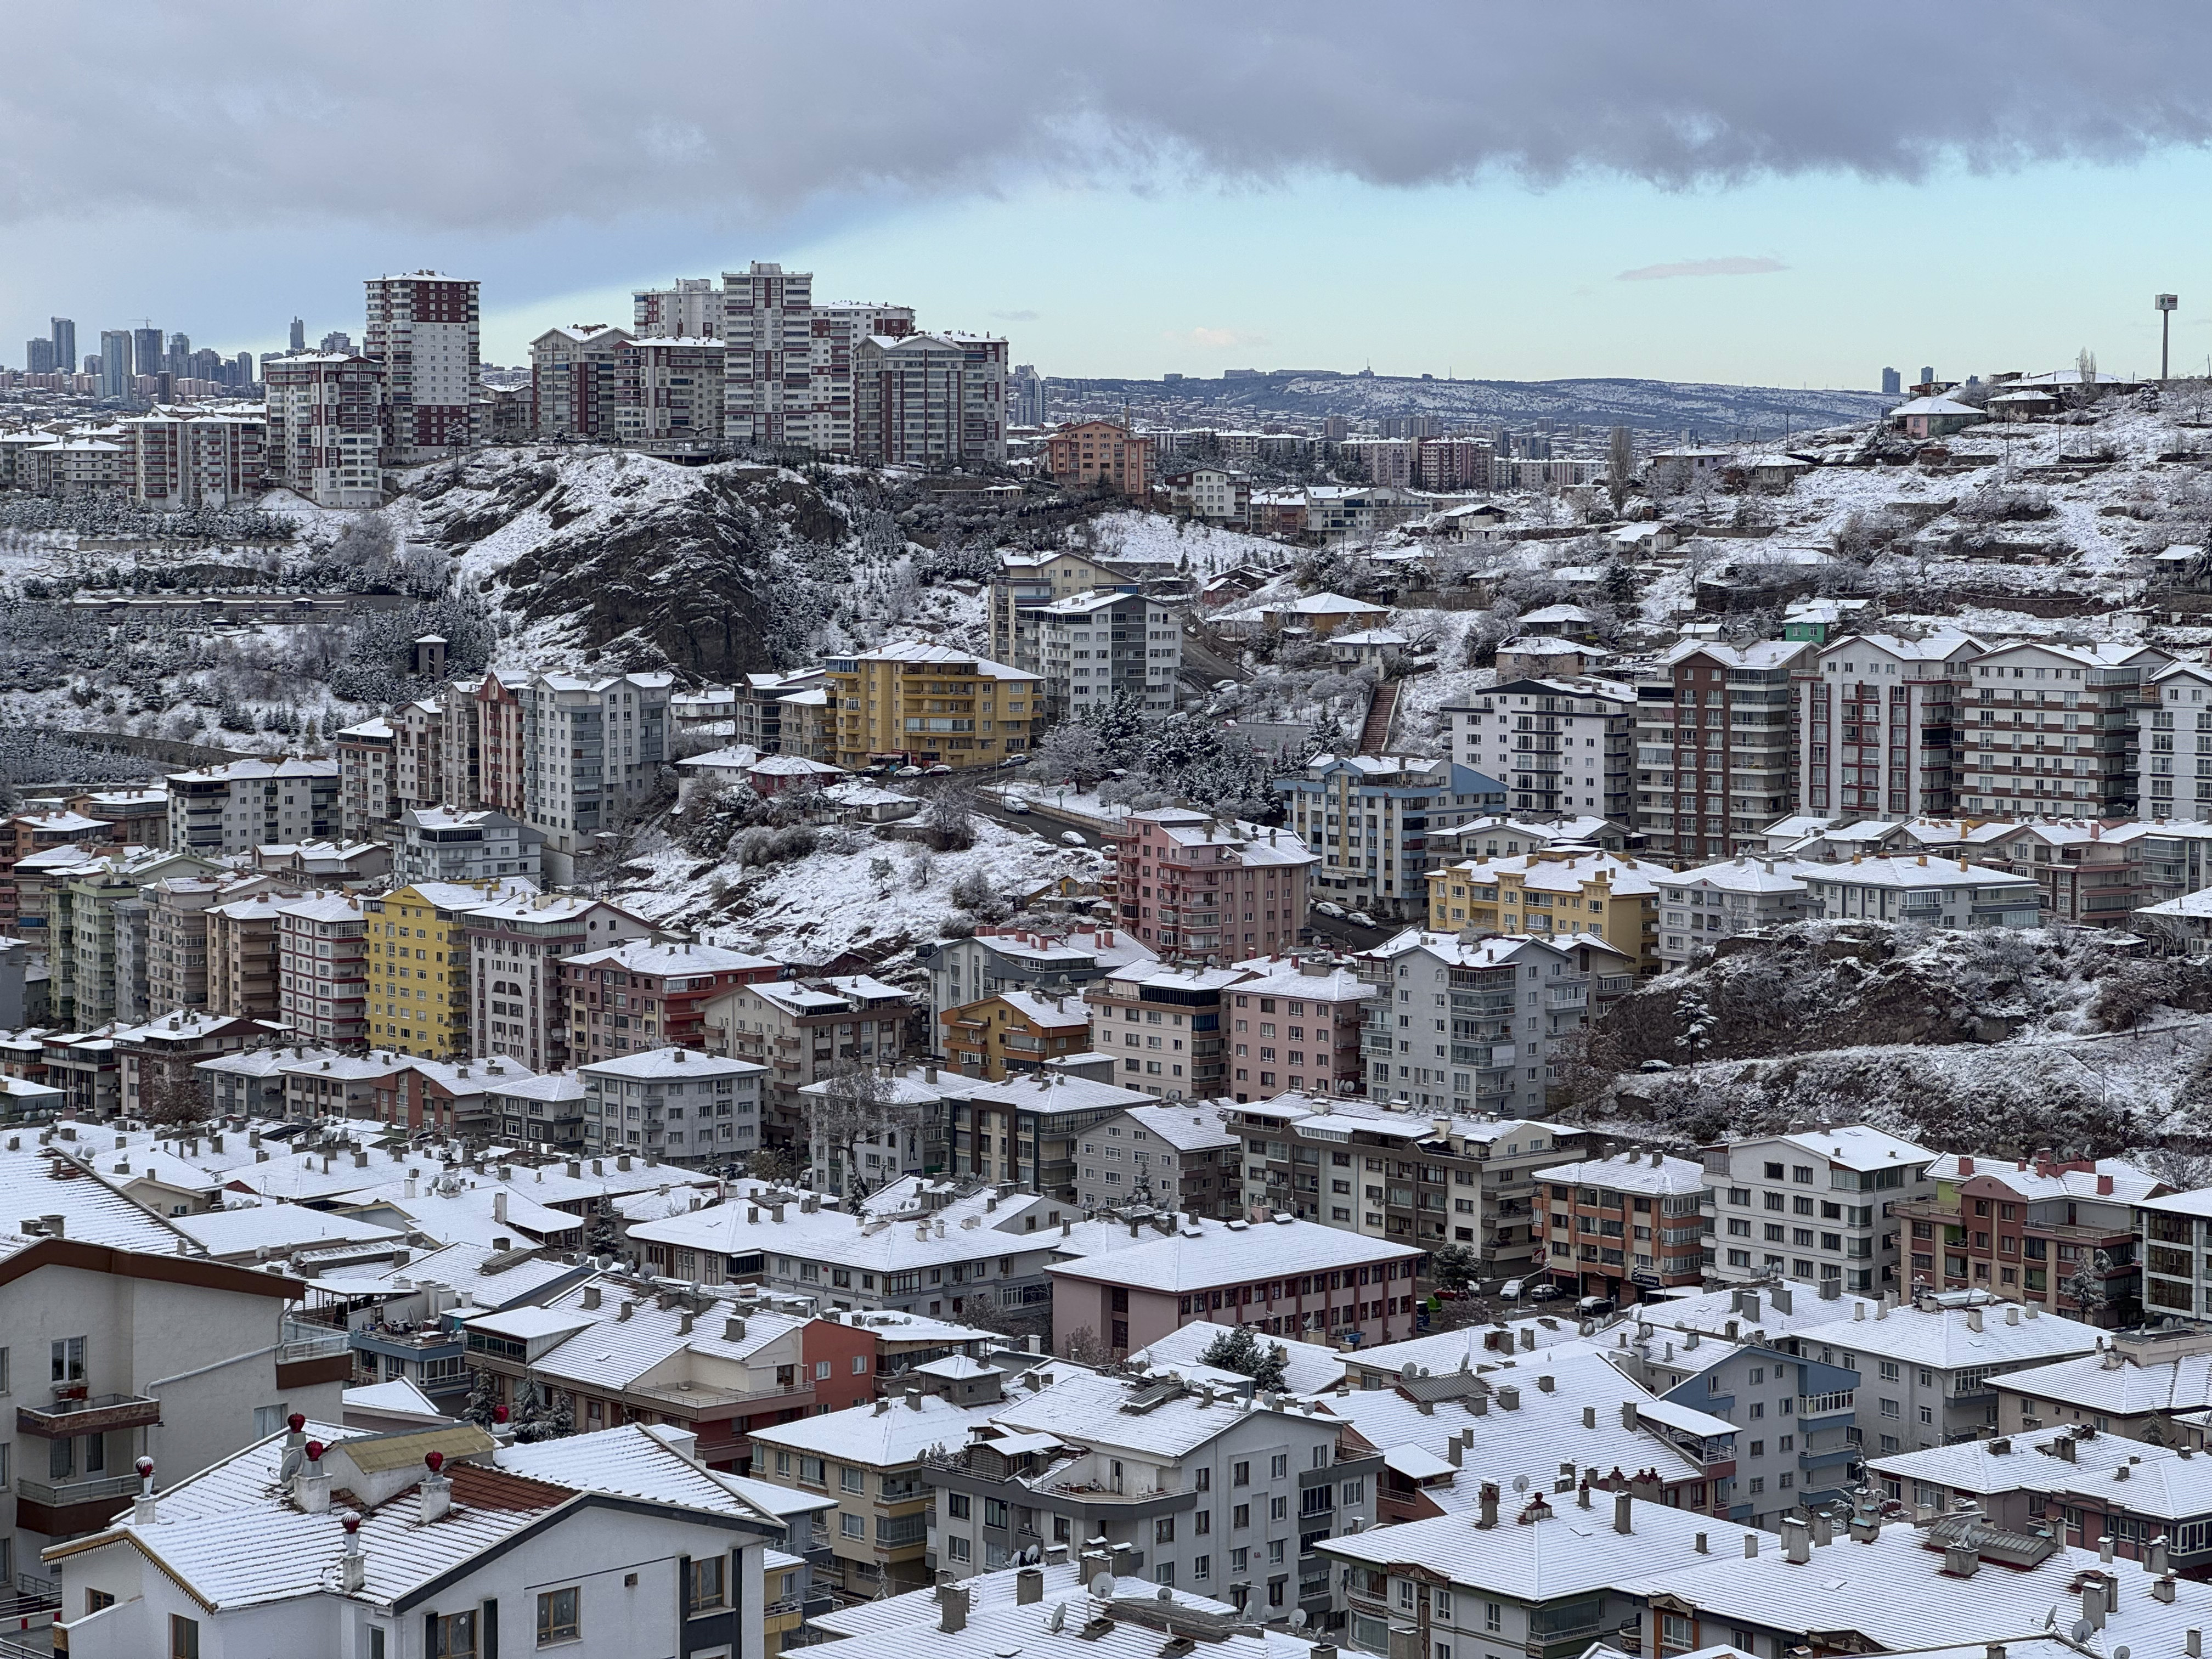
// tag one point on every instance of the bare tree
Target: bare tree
(856, 1104)
(176, 1101)
(1620, 468)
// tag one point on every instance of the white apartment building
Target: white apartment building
(1815, 1205)
(1879, 724)
(423, 332)
(668, 388)
(1699, 908)
(2048, 730)
(438, 843)
(518, 1002)
(590, 747)
(1095, 647)
(326, 427)
(687, 1107)
(122, 1343)
(243, 805)
(322, 967)
(688, 309)
(1925, 888)
(1558, 746)
(1370, 818)
(768, 325)
(2173, 745)
(573, 371)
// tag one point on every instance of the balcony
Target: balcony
(100, 1414)
(67, 1508)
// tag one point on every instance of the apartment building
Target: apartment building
(1183, 1158)
(993, 959)
(242, 804)
(1103, 453)
(518, 1003)
(2092, 874)
(668, 389)
(935, 399)
(1811, 1205)
(1467, 1026)
(369, 769)
(1406, 1173)
(590, 748)
(423, 332)
(2058, 1231)
(1385, 463)
(96, 929)
(322, 967)
(1290, 1022)
(1716, 746)
(184, 457)
(920, 704)
(418, 964)
(1010, 1032)
(1879, 724)
(638, 994)
(684, 1106)
(1096, 647)
(1560, 890)
(1024, 1130)
(1623, 1226)
(1026, 583)
(1932, 890)
(802, 1031)
(1699, 908)
(690, 309)
(243, 949)
(2175, 1250)
(127, 1345)
(574, 377)
(1191, 885)
(1227, 1497)
(444, 843)
(325, 424)
(158, 1058)
(1557, 745)
(1219, 495)
(2173, 743)
(176, 939)
(771, 395)
(1370, 818)
(24, 833)
(1283, 1278)
(2051, 731)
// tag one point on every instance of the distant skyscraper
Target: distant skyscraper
(299, 341)
(180, 356)
(115, 362)
(39, 356)
(148, 350)
(241, 370)
(339, 341)
(91, 363)
(64, 336)
(1926, 375)
(691, 310)
(1893, 383)
(1025, 396)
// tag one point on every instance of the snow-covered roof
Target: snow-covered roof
(1198, 1127)
(1857, 1146)
(925, 651)
(1741, 875)
(1308, 1368)
(1937, 405)
(1632, 1172)
(2128, 1183)
(674, 1061)
(1955, 1338)
(651, 956)
(1203, 1254)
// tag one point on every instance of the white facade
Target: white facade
(325, 414)
(440, 844)
(2173, 742)
(1878, 724)
(2048, 731)
(1092, 646)
(247, 804)
(1815, 1206)
(1699, 908)
(423, 331)
(688, 1107)
(1558, 746)
(690, 307)
(322, 967)
(590, 747)
(1934, 892)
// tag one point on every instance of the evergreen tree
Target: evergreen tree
(1239, 1351)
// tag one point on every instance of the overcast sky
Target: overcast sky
(1776, 194)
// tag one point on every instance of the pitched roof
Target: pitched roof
(1203, 1254)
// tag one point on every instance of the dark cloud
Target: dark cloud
(1735, 264)
(501, 118)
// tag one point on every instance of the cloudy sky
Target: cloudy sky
(1770, 194)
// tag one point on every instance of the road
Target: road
(1045, 828)
(1330, 930)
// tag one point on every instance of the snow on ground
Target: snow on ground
(837, 900)
(1155, 536)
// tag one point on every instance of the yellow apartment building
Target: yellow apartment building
(929, 705)
(418, 965)
(1558, 890)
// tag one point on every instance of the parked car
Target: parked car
(1510, 1290)
(1546, 1293)
(1328, 909)
(939, 771)
(1591, 1307)
(1016, 804)
(1073, 838)
(1361, 919)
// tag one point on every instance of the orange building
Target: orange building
(1012, 1032)
(1100, 451)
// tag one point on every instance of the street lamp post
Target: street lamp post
(2166, 303)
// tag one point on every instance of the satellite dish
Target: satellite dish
(1299, 1620)
(1059, 1619)
(1520, 1483)
(2120, 1653)
(2082, 1628)
(1101, 1586)
(2050, 1618)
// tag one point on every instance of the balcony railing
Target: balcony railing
(60, 1494)
(100, 1414)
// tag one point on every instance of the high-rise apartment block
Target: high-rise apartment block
(65, 344)
(149, 350)
(2173, 737)
(1098, 646)
(1558, 745)
(1715, 747)
(930, 704)
(115, 362)
(668, 389)
(572, 375)
(1877, 723)
(590, 747)
(174, 458)
(325, 427)
(423, 331)
(788, 373)
(39, 356)
(930, 400)
(691, 310)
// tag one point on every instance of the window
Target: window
(1493, 1616)
(95, 1599)
(556, 1616)
(1279, 1466)
(1240, 1475)
(958, 1548)
(703, 1592)
(958, 1505)
(452, 1637)
(995, 1511)
(850, 1479)
(185, 1633)
(853, 1526)
(69, 1367)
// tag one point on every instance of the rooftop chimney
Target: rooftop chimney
(1623, 1512)
(951, 1608)
(353, 1567)
(1797, 1540)
(1029, 1586)
(437, 1491)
